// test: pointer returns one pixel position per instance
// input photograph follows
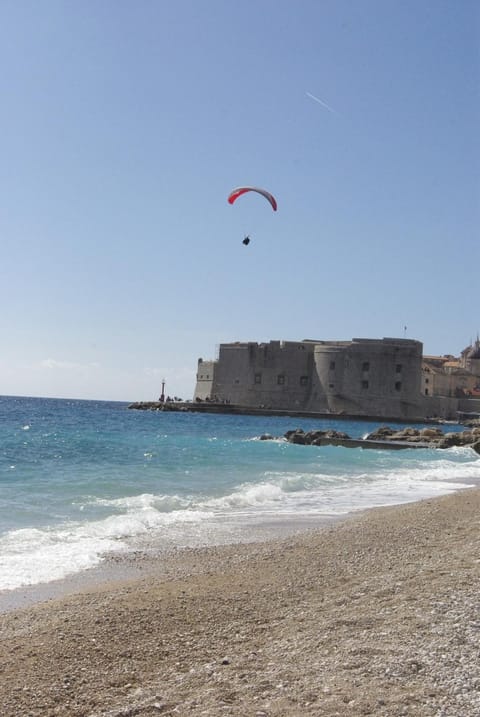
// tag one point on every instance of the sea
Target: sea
(82, 481)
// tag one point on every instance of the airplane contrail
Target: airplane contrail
(321, 102)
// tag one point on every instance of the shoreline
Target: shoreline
(159, 557)
(376, 614)
(156, 559)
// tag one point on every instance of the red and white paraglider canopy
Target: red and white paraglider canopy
(235, 193)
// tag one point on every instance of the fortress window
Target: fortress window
(364, 384)
(398, 386)
(426, 392)
(332, 365)
(303, 380)
(237, 380)
(398, 368)
(427, 380)
(258, 378)
(331, 385)
(366, 366)
(281, 379)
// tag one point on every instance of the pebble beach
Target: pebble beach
(375, 615)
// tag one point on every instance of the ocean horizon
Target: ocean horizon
(82, 480)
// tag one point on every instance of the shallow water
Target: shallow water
(81, 479)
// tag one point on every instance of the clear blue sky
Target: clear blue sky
(124, 126)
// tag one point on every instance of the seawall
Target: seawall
(225, 408)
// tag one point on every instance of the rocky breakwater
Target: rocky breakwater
(386, 437)
(160, 406)
(433, 436)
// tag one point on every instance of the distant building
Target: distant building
(445, 376)
(470, 358)
(359, 377)
(386, 378)
(450, 377)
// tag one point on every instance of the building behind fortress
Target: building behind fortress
(386, 377)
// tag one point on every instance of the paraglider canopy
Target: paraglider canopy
(235, 193)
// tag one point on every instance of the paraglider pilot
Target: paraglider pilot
(246, 241)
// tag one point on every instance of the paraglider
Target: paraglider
(235, 193)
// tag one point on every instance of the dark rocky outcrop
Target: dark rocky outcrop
(159, 406)
(472, 422)
(314, 438)
(414, 435)
(386, 437)
(433, 436)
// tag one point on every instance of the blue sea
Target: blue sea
(80, 480)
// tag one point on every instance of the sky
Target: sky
(124, 125)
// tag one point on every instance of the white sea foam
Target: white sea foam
(28, 557)
(307, 493)
(144, 501)
(318, 493)
(31, 556)
(233, 483)
(246, 496)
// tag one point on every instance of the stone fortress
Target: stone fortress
(378, 378)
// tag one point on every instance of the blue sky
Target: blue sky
(123, 128)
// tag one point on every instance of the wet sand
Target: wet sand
(375, 615)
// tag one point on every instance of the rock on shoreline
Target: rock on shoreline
(386, 437)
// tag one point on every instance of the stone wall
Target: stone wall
(358, 377)
(371, 377)
(275, 375)
(205, 379)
